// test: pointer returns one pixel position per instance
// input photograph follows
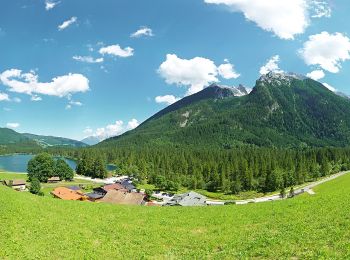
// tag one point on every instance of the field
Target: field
(307, 226)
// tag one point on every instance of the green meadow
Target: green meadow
(305, 227)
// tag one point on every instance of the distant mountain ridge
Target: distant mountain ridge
(11, 137)
(91, 140)
(283, 110)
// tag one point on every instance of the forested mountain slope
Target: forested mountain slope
(283, 110)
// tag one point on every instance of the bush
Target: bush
(35, 187)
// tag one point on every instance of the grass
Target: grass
(46, 188)
(305, 227)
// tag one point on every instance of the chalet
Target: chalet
(75, 188)
(19, 185)
(53, 179)
(104, 189)
(128, 186)
(188, 199)
(68, 194)
(123, 197)
(93, 196)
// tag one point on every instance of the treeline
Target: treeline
(229, 171)
(92, 165)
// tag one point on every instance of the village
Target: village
(115, 190)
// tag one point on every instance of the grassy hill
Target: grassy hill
(316, 227)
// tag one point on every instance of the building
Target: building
(123, 197)
(187, 199)
(128, 186)
(104, 189)
(53, 179)
(19, 185)
(93, 196)
(68, 194)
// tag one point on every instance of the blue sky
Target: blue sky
(73, 68)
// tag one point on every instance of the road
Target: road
(298, 191)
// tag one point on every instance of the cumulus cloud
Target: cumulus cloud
(133, 123)
(27, 83)
(271, 66)
(316, 74)
(4, 97)
(195, 73)
(116, 50)
(67, 23)
(143, 31)
(50, 4)
(331, 88)
(87, 59)
(285, 18)
(320, 9)
(12, 125)
(111, 130)
(227, 71)
(326, 50)
(167, 99)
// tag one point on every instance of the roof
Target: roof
(54, 179)
(127, 185)
(67, 194)
(122, 197)
(188, 199)
(94, 195)
(15, 182)
(76, 188)
(114, 186)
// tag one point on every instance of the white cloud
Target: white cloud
(88, 131)
(285, 18)
(227, 71)
(143, 31)
(50, 4)
(111, 130)
(320, 9)
(195, 73)
(35, 98)
(271, 66)
(133, 123)
(316, 74)
(12, 125)
(67, 23)
(167, 99)
(87, 59)
(73, 103)
(329, 87)
(326, 50)
(4, 97)
(116, 50)
(27, 83)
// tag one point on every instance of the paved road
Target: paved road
(298, 191)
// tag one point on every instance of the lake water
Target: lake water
(18, 163)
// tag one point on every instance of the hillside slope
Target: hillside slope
(282, 110)
(47, 141)
(306, 227)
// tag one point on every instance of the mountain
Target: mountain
(283, 110)
(90, 140)
(9, 137)
(48, 141)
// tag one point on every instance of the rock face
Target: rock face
(283, 109)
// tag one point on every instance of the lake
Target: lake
(18, 163)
